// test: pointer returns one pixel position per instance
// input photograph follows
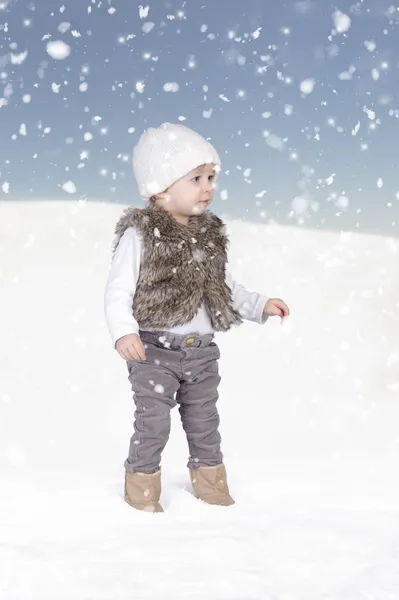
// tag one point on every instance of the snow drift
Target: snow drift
(309, 417)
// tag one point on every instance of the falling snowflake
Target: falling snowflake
(330, 179)
(63, 27)
(274, 141)
(147, 27)
(299, 205)
(18, 59)
(171, 87)
(143, 11)
(307, 86)
(342, 202)
(375, 74)
(69, 187)
(370, 113)
(342, 22)
(58, 50)
(370, 46)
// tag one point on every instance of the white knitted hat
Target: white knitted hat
(164, 154)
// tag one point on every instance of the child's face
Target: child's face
(192, 194)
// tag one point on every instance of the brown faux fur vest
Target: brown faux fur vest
(181, 267)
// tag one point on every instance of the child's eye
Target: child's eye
(197, 178)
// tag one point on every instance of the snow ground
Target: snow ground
(309, 421)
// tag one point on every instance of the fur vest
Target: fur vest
(182, 266)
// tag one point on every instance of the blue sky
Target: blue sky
(300, 99)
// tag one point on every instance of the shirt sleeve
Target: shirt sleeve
(121, 286)
(250, 305)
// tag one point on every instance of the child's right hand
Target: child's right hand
(130, 347)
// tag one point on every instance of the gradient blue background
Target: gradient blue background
(318, 139)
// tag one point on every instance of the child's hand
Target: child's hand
(130, 347)
(275, 307)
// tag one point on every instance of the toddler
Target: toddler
(168, 292)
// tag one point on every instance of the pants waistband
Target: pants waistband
(166, 339)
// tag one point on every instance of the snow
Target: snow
(69, 187)
(309, 415)
(143, 11)
(274, 141)
(148, 26)
(369, 112)
(58, 50)
(307, 86)
(342, 202)
(64, 27)
(370, 45)
(171, 87)
(375, 74)
(18, 59)
(299, 205)
(342, 22)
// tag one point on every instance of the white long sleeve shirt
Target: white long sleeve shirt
(121, 287)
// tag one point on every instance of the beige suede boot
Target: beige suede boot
(210, 485)
(143, 491)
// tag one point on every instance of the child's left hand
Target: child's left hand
(275, 307)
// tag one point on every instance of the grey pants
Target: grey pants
(179, 370)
